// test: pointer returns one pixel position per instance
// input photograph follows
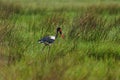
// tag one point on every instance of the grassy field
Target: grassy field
(90, 50)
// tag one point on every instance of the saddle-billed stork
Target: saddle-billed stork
(50, 39)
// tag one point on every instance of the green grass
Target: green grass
(90, 50)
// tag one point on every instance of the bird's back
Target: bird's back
(47, 40)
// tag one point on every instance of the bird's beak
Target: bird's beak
(62, 36)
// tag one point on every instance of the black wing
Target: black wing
(46, 40)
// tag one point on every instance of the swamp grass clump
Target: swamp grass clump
(88, 27)
(92, 27)
(9, 9)
(89, 51)
(111, 9)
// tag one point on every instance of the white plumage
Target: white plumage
(52, 37)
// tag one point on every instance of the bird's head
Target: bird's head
(60, 31)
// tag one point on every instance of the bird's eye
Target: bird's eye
(60, 30)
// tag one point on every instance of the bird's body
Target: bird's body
(50, 39)
(47, 40)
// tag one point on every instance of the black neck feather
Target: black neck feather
(56, 34)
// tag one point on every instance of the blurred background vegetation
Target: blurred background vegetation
(90, 50)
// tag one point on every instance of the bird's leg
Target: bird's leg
(43, 48)
(48, 49)
(48, 53)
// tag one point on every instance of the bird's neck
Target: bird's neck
(56, 35)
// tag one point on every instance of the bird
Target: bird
(48, 40)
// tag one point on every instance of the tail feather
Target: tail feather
(40, 41)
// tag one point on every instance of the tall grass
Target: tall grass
(93, 27)
(90, 50)
(8, 9)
